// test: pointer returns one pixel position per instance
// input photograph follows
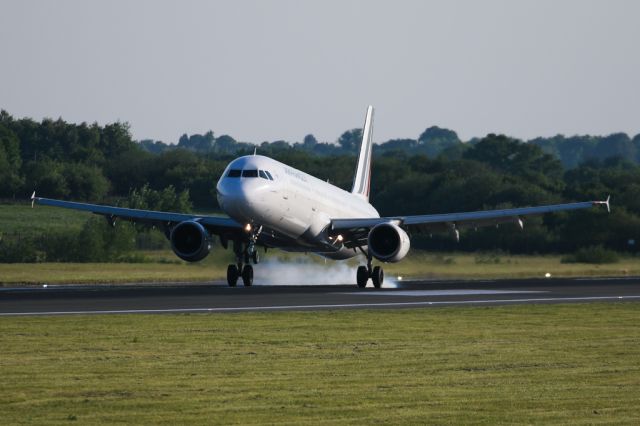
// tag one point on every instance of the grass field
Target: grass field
(22, 219)
(166, 267)
(561, 364)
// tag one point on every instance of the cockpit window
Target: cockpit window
(249, 173)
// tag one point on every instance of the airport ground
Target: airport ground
(562, 364)
(568, 363)
(164, 266)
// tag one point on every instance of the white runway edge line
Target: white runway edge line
(453, 292)
(328, 306)
(608, 279)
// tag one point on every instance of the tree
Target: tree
(116, 138)
(85, 182)
(434, 140)
(130, 169)
(615, 145)
(350, 140)
(399, 145)
(11, 179)
(309, 141)
(46, 177)
(518, 159)
(636, 142)
(225, 144)
(199, 143)
(155, 147)
(166, 199)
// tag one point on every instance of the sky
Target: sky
(279, 69)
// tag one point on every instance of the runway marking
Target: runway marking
(608, 279)
(328, 306)
(453, 292)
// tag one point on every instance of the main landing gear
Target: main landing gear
(234, 272)
(365, 272)
(242, 268)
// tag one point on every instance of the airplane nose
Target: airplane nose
(230, 195)
(241, 198)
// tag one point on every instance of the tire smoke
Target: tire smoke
(305, 271)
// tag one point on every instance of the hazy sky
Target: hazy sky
(268, 70)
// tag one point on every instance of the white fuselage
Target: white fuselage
(293, 208)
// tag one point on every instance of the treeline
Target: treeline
(433, 142)
(435, 173)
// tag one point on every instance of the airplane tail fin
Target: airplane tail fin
(362, 178)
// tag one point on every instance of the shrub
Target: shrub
(167, 199)
(487, 259)
(95, 242)
(133, 258)
(59, 246)
(14, 249)
(151, 239)
(442, 260)
(592, 254)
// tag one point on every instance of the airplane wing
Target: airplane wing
(222, 226)
(354, 231)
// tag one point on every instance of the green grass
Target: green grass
(72, 273)
(486, 265)
(22, 219)
(561, 364)
(165, 267)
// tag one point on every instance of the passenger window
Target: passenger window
(233, 173)
(268, 175)
(262, 174)
(250, 173)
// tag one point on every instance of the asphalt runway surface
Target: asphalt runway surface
(217, 297)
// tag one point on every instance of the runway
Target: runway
(217, 297)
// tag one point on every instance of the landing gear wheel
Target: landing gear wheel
(232, 275)
(255, 257)
(362, 276)
(247, 275)
(377, 276)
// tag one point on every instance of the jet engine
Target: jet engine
(190, 241)
(388, 242)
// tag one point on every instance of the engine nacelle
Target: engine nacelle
(388, 242)
(190, 241)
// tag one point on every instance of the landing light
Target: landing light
(247, 227)
(339, 238)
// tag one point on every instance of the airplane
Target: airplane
(272, 205)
